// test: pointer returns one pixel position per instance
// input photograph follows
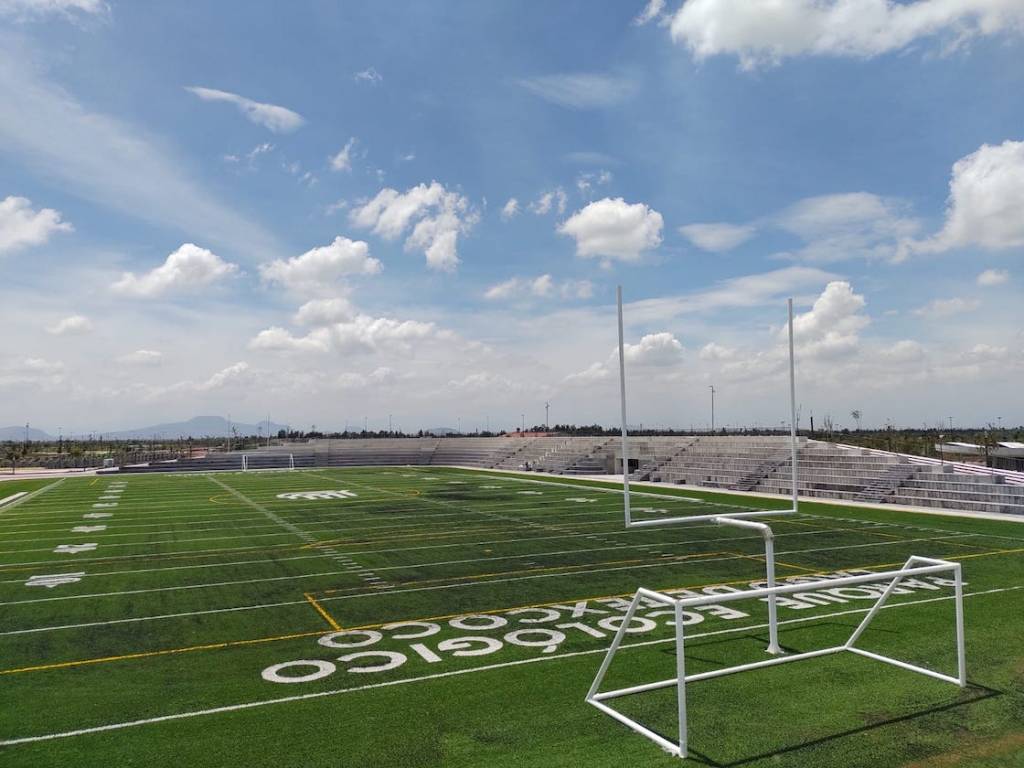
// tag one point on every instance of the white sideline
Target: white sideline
(453, 673)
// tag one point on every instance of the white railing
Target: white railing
(678, 746)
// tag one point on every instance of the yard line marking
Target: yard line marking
(34, 494)
(452, 673)
(319, 609)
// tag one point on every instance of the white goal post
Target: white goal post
(915, 566)
(630, 522)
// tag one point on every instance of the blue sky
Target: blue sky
(342, 210)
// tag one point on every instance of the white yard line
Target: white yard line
(452, 673)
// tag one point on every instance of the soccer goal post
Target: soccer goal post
(915, 566)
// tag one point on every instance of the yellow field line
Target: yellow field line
(164, 652)
(760, 559)
(319, 609)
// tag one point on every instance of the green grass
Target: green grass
(200, 583)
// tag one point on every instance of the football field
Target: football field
(437, 617)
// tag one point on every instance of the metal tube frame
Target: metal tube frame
(679, 748)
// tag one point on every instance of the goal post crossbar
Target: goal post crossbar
(914, 566)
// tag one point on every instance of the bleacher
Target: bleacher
(761, 464)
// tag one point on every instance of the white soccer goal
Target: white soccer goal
(678, 746)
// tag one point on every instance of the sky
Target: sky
(325, 212)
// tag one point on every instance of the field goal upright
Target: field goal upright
(630, 522)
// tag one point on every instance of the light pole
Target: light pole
(547, 418)
(523, 417)
(712, 388)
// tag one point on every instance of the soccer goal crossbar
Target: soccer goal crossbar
(915, 566)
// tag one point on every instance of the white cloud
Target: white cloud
(277, 339)
(843, 226)
(595, 373)
(654, 349)
(324, 312)
(28, 9)
(555, 199)
(233, 374)
(712, 351)
(21, 227)
(584, 90)
(368, 75)
(440, 215)
(320, 269)
(510, 209)
(144, 357)
(543, 286)
(767, 33)
(986, 200)
(988, 352)
(718, 236)
(993, 277)
(185, 270)
(947, 307)
(361, 333)
(586, 182)
(73, 325)
(832, 227)
(342, 160)
(271, 116)
(833, 324)
(651, 11)
(106, 161)
(614, 229)
(904, 351)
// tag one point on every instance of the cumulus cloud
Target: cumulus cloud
(187, 269)
(833, 324)
(556, 199)
(583, 90)
(142, 357)
(271, 116)
(510, 209)
(654, 349)
(986, 200)
(947, 307)
(233, 374)
(614, 229)
(993, 277)
(718, 236)
(320, 269)
(73, 325)
(21, 226)
(596, 372)
(440, 216)
(712, 351)
(903, 351)
(342, 160)
(324, 312)
(767, 33)
(358, 334)
(542, 286)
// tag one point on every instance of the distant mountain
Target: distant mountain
(200, 426)
(18, 433)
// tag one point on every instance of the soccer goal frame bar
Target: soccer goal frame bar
(914, 566)
(630, 522)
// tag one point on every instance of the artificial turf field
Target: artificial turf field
(484, 602)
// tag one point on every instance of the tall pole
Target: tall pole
(547, 416)
(792, 407)
(712, 388)
(622, 403)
